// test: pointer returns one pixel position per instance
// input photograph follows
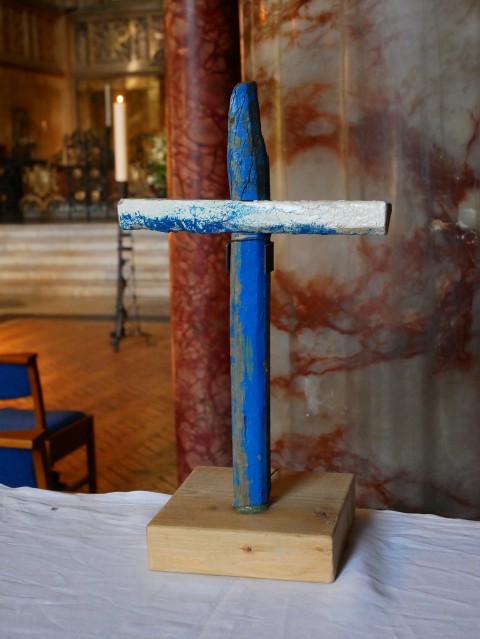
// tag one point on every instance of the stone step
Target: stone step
(157, 259)
(79, 260)
(48, 272)
(81, 288)
(25, 262)
(36, 240)
(73, 230)
(44, 242)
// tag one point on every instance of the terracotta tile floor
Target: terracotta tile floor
(128, 392)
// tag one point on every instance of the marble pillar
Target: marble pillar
(202, 67)
(375, 341)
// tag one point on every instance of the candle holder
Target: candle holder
(125, 279)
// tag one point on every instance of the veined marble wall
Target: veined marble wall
(375, 341)
(202, 66)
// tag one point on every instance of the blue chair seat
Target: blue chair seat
(17, 419)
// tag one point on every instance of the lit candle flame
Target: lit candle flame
(120, 99)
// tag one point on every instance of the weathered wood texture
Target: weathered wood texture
(300, 537)
(247, 159)
(248, 176)
(321, 217)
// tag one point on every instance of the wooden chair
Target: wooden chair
(32, 440)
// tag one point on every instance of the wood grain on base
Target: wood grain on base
(300, 537)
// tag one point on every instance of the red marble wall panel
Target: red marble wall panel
(376, 341)
(202, 67)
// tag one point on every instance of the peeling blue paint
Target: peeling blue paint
(233, 221)
(249, 326)
(247, 159)
(249, 308)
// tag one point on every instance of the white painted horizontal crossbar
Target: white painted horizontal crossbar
(335, 217)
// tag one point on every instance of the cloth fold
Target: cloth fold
(76, 566)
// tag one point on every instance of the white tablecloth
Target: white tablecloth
(75, 566)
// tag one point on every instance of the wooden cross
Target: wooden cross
(251, 217)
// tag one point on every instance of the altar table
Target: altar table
(75, 566)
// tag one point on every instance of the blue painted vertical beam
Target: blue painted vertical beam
(248, 173)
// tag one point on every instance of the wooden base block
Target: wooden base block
(300, 537)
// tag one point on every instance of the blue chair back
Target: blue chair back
(14, 381)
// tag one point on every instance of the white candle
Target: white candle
(108, 105)
(120, 139)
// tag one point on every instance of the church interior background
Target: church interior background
(375, 341)
(59, 69)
